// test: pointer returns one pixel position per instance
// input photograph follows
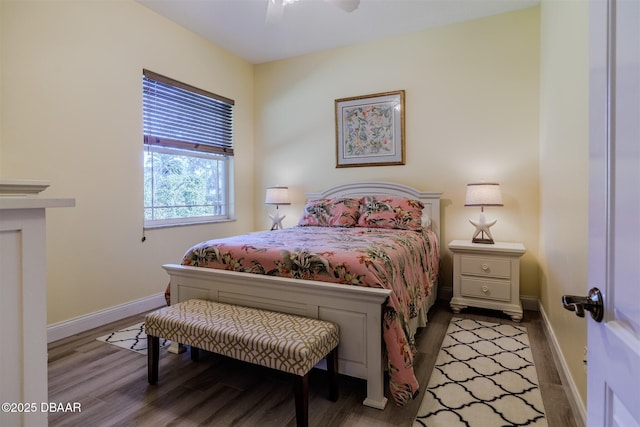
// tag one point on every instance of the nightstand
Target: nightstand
(487, 276)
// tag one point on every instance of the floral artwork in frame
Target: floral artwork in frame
(370, 130)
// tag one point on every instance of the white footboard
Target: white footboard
(356, 310)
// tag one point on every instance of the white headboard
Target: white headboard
(430, 199)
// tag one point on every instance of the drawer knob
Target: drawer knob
(485, 289)
(485, 267)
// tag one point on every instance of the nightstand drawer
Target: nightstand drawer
(486, 289)
(489, 267)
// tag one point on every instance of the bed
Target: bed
(366, 313)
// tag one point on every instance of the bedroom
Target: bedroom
(503, 97)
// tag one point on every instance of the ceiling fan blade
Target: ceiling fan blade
(275, 11)
(275, 8)
(346, 5)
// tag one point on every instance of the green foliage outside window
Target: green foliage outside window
(183, 186)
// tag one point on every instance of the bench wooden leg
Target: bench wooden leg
(195, 353)
(332, 369)
(301, 389)
(153, 350)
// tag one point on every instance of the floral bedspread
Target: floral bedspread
(403, 261)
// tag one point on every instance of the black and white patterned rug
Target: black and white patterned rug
(132, 338)
(484, 376)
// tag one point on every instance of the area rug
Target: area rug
(132, 338)
(484, 376)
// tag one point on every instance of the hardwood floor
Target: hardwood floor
(111, 384)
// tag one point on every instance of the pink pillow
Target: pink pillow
(339, 212)
(390, 212)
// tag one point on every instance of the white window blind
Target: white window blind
(188, 140)
(182, 116)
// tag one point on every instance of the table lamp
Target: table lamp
(483, 194)
(277, 195)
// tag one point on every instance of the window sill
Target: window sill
(185, 224)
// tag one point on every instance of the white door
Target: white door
(613, 372)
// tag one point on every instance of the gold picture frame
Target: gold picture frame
(370, 130)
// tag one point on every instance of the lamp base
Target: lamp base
(276, 219)
(482, 233)
(485, 241)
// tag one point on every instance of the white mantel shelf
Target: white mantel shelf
(30, 202)
(25, 194)
(23, 307)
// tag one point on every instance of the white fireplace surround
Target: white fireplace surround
(23, 371)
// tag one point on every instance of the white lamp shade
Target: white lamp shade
(277, 196)
(483, 194)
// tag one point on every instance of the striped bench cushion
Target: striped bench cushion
(280, 341)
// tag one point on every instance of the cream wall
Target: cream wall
(472, 113)
(71, 113)
(564, 163)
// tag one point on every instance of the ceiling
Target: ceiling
(239, 26)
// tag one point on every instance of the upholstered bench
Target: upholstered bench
(286, 342)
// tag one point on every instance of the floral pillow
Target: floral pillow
(338, 212)
(390, 212)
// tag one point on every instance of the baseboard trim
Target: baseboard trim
(529, 302)
(575, 401)
(67, 328)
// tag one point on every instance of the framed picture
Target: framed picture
(370, 130)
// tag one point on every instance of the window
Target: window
(188, 153)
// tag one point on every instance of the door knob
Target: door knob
(592, 303)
